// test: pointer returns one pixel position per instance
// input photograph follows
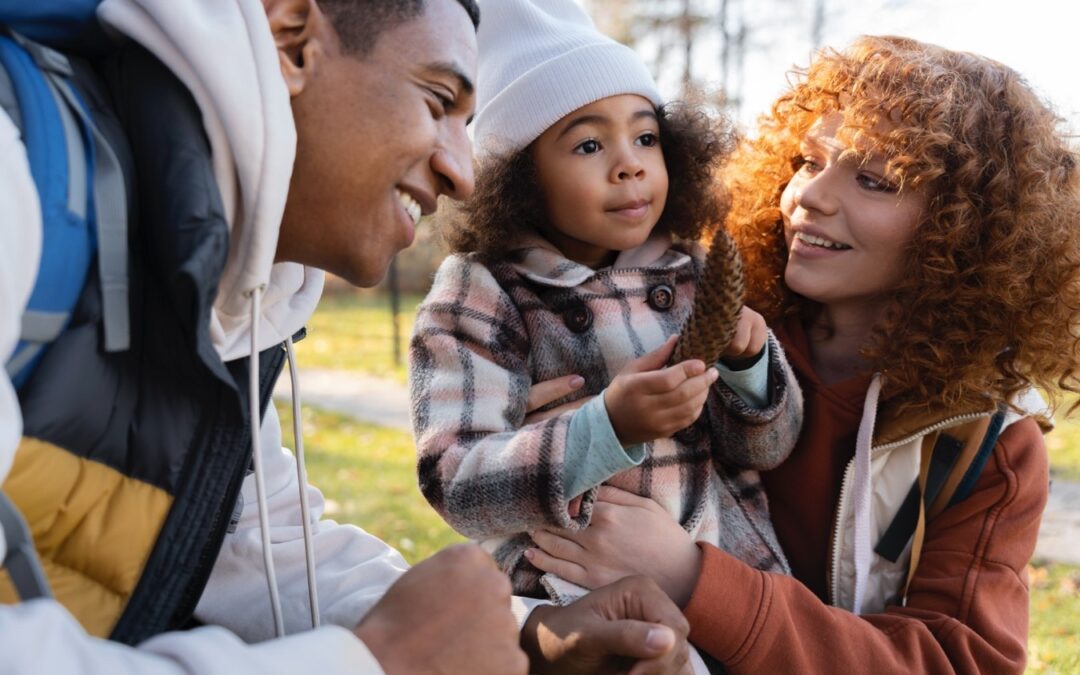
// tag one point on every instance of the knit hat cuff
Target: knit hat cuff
(555, 88)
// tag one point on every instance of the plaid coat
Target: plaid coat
(486, 333)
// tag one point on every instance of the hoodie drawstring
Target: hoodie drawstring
(260, 480)
(301, 476)
(256, 458)
(864, 509)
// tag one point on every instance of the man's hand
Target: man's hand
(607, 631)
(750, 335)
(646, 401)
(449, 614)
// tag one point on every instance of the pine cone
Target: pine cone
(719, 297)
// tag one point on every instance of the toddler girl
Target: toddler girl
(576, 257)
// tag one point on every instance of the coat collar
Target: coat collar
(538, 260)
(893, 427)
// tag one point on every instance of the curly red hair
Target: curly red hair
(989, 303)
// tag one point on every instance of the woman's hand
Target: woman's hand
(542, 393)
(628, 535)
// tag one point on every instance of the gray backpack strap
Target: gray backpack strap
(8, 101)
(38, 329)
(21, 559)
(110, 193)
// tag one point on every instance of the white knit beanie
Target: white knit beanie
(540, 60)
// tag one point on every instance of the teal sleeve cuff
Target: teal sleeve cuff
(752, 384)
(593, 452)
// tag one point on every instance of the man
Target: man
(244, 188)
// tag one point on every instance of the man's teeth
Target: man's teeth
(412, 207)
(820, 241)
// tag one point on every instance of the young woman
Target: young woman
(909, 220)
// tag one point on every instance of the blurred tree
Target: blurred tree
(705, 45)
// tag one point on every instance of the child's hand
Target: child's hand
(749, 338)
(646, 401)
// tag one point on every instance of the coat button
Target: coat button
(661, 297)
(578, 318)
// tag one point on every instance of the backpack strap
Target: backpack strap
(950, 466)
(959, 491)
(109, 200)
(21, 560)
(940, 455)
(83, 197)
(8, 102)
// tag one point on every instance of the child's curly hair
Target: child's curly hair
(508, 201)
(989, 302)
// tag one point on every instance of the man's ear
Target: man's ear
(299, 29)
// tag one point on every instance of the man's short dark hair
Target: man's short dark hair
(360, 22)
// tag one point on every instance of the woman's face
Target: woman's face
(846, 224)
(603, 177)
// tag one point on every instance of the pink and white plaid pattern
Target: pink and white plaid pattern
(486, 333)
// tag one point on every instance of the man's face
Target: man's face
(379, 138)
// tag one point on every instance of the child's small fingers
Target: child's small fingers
(546, 563)
(759, 334)
(556, 544)
(739, 341)
(659, 382)
(692, 367)
(688, 389)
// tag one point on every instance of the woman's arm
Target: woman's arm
(967, 606)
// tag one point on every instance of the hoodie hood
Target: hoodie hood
(20, 232)
(223, 51)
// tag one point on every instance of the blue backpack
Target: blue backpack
(79, 180)
(83, 199)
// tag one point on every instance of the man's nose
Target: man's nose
(453, 164)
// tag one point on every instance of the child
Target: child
(566, 265)
(909, 219)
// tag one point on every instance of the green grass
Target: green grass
(354, 331)
(367, 474)
(1054, 637)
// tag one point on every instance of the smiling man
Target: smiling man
(266, 142)
(380, 137)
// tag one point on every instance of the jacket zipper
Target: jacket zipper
(845, 485)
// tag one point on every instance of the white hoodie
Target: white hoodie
(224, 53)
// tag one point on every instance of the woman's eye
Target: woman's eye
(875, 184)
(587, 147)
(807, 165)
(648, 139)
